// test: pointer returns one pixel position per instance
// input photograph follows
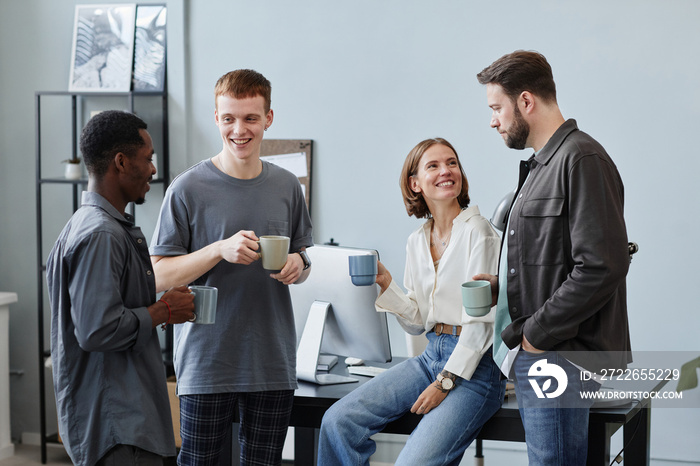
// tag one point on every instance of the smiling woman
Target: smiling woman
(440, 187)
(415, 201)
(463, 387)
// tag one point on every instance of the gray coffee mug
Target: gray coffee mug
(363, 269)
(205, 298)
(476, 297)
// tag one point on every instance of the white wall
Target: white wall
(366, 80)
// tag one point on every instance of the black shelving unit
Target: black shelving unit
(76, 99)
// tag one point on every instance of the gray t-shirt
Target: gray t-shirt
(252, 345)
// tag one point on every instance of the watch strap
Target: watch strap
(304, 258)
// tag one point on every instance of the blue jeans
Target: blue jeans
(555, 418)
(441, 436)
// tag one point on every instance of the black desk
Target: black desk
(311, 402)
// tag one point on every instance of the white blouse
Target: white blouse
(435, 295)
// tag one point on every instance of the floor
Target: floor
(29, 455)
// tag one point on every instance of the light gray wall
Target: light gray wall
(366, 80)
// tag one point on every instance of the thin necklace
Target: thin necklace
(443, 241)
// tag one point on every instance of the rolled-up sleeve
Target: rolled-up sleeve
(394, 301)
(477, 332)
(172, 234)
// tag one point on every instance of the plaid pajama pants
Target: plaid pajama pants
(205, 419)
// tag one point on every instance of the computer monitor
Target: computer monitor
(337, 317)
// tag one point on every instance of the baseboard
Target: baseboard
(7, 451)
(31, 438)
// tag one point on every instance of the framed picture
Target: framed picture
(149, 48)
(103, 48)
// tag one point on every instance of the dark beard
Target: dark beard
(519, 132)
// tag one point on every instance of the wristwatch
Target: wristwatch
(445, 383)
(305, 259)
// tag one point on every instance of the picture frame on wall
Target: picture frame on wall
(103, 48)
(150, 48)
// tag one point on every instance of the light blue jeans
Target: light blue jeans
(441, 436)
(556, 428)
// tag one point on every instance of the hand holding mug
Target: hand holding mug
(291, 271)
(493, 280)
(241, 248)
(180, 303)
(383, 277)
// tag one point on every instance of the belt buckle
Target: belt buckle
(441, 331)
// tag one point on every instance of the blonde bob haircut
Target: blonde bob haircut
(415, 203)
(242, 84)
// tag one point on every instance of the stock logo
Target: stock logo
(541, 369)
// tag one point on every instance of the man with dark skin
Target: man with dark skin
(109, 377)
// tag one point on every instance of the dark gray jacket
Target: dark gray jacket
(568, 255)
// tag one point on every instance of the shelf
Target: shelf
(63, 181)
(82, 181)
(103, 94)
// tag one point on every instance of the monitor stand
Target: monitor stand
(310, 348)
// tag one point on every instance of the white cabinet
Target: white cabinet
(7, 449)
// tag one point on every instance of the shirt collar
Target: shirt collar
(462, 217)
(466, 214)
(94, 199)
(549, 149)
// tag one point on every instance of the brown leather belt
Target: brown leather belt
(441, 329)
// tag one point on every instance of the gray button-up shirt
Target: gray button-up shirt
(108, 371)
